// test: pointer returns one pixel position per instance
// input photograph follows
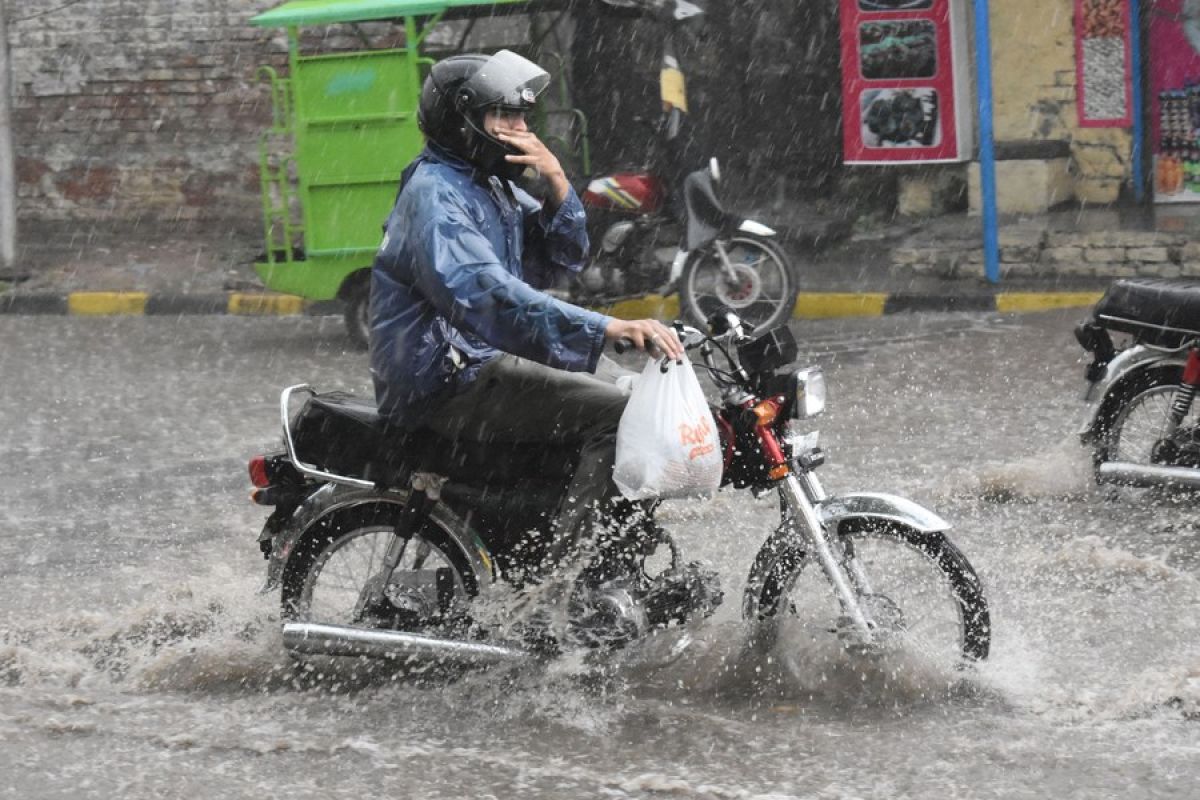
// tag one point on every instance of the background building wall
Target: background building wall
(1033, 60)
(150, 110)
(141, 109)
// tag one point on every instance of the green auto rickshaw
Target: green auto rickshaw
(344, 125)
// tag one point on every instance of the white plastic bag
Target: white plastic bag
(667, 441)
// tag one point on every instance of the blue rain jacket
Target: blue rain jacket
(451, 285)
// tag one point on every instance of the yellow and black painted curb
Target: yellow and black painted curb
(110, 304)
(809, 305)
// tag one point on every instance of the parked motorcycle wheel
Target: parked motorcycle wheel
(1133, 418)
(357, 299)
(763, 292)
(325, 577)
(926, 597)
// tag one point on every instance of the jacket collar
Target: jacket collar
(435, 152)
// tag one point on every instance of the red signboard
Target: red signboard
(903, 97)
(1104, 73)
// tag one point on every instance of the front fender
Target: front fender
(783, 554)
(833, 511)
(1128, 362)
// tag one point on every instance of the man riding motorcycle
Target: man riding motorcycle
(461, 342)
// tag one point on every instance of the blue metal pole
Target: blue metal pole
(1139, 130)
(987, 149)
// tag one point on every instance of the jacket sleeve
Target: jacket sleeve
(554, 240)
(456, 268)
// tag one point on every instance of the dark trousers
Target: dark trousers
(517, 400)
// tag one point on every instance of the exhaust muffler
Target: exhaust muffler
(313, 638)
(1142, 475)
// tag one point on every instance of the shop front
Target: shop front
(1174, 41)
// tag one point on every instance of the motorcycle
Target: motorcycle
(1140, 419)
(392, 546)
(720, 259)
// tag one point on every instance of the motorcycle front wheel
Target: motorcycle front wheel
(761, 289)
(923, 594)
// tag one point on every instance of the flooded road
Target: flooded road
(138, 660)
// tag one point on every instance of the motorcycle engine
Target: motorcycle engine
(624, 609)
(631, 256)
(682, 593)
(607, 616)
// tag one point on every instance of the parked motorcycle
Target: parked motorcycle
(650, 235)
(392, 546)
(1141, 421)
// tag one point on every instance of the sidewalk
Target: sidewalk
(846, 268)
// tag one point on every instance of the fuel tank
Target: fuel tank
(637, 193)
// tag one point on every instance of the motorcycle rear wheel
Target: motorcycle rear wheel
(1132, 422)
(763, 292)
(925, 595)
(324, 578)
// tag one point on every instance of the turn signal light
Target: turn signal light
(258, 472)
(766, 411)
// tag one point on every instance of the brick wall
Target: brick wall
(138, 109)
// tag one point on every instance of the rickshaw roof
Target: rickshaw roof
(321, 12)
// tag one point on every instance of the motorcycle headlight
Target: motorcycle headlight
(808, 393)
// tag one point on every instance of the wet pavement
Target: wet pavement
(137, 659)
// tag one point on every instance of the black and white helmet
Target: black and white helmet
(461, 90)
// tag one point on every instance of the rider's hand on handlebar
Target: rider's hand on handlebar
(646, 334)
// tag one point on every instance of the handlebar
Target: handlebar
(690, 337)
(727, 330)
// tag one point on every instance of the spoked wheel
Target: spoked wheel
(325, 580)
(761, 288)
(1136, 420)
(923, 595)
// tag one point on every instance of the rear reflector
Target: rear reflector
(258, 472)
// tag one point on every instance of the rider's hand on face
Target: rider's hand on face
(646, 334)
(511, 129)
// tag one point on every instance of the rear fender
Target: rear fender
(756, 229)
(1127, 366)
(332, 504)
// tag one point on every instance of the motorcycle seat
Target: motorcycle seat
(344, 434)
(1155, 310)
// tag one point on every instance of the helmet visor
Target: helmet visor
(507, 80)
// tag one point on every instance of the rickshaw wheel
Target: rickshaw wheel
(356, 294)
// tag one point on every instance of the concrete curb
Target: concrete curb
(809, 305)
